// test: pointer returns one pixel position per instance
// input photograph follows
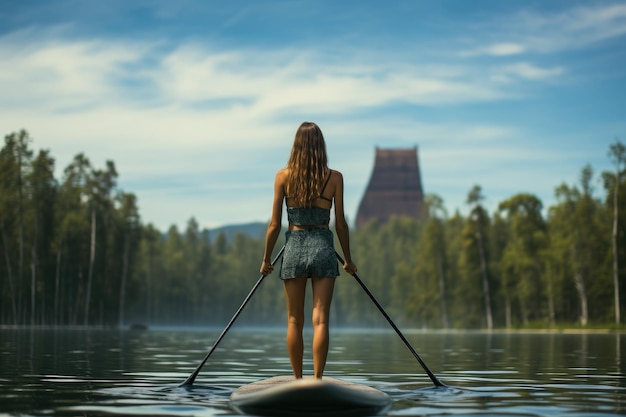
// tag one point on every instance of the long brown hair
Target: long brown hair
(308, 165)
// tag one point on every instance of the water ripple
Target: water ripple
(119, 373)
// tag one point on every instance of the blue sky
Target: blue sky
(197, 102)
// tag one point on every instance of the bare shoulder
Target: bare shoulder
(282, 174)
(336, 175)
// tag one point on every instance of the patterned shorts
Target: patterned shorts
(309, 253)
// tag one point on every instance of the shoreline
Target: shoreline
(338, 329)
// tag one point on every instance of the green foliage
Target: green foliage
(522, 254)
(75, 252)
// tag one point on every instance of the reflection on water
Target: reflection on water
(105, 372)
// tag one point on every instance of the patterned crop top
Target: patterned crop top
(310, 216)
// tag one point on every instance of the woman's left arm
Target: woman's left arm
(273, 228)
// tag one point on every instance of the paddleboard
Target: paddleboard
(286, 396)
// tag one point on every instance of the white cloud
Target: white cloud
(76, 75)
(496, 49)
(198, 130)
(532, 32)
(580, 26)
(58, 75)
(526, 70)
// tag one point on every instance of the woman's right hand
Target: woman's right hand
(350, 267)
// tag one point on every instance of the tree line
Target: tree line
(74, 251)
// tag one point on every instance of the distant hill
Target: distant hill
(255, 230)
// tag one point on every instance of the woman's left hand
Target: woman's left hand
(267, 268)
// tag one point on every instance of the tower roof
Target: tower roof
(395, 187)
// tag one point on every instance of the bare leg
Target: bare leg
(295, 290)
(322, 296)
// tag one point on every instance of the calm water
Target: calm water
(108, 373)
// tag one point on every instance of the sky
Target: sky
(197, 101)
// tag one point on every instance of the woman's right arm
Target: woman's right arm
(341, 226)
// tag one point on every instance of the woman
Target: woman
(309, 189)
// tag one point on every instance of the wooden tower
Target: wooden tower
(394, 189)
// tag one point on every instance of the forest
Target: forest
(74, 252)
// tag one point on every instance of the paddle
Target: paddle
(384, 313)
(192, 377)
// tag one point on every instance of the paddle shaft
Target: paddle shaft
(192, 377)
(404, 339)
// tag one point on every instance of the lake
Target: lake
(109, 372)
